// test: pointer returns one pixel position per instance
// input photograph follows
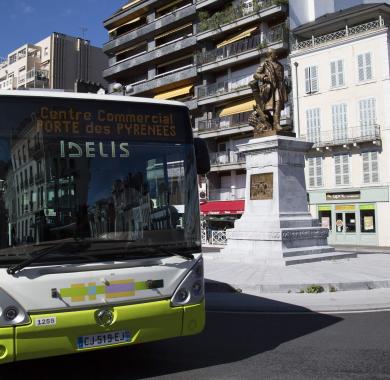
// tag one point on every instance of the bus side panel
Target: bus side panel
(194, 319)
(6, 344)
(145, 322)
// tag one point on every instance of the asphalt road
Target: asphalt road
(240, 346)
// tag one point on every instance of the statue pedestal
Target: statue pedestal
(276, 227)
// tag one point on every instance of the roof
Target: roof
(343, 15)
(76, 95)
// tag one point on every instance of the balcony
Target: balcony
(224, 125)
(343, 34)
(230, 17)
(160, 25)
(350, 136)
(39, 178)
(243, 50)
(182, 74)
(224, 89)
(37, 78)
(227, 161)
(157, 53)
(227, 194)
(36, 150)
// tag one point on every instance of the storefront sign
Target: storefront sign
(345, 207)
(262, 186)
(343, 196)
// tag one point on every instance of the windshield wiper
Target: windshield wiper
(57, 248)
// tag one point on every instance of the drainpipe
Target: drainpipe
(297, 94)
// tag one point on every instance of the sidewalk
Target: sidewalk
(362, 283)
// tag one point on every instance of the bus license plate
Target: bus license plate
(104, 339)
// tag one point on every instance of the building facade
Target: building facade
(204, 53)
(341, 99)
(56, 62)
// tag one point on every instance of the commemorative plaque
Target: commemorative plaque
(262, 186)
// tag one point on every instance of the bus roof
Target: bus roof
(76, 95)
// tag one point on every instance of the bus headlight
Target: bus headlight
(191, 289)
(11, 313)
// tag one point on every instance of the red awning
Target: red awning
(222, 207)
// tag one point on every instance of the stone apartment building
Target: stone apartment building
(204, 53)
(56, 62)
(341, 81)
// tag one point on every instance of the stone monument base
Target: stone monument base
(276, 227)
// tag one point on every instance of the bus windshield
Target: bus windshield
(116, 172)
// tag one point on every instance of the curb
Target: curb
(361, 301)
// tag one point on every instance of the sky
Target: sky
(30, 21)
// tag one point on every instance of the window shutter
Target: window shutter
(333, 77)
(361, 67)
(311, 172)
(318, 171)
(368, 66)
(337, 170)
(314, 78)
(345, 169)
(366, 167)
(339, 121)
(374, 167)
(307, 80)
(340, 72)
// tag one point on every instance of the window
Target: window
(339, 122)
(367, 218)
(12, 59)
(341, 162)
(337, 73)
(370, 167)
(313, 125)
(325, 217)
(367, 113)
(311, 79)
(315, 171)
(364, 67)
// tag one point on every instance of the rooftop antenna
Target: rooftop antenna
(83, 31)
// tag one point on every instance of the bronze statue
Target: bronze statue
(270, 93)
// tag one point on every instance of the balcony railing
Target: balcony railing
(223, 122)
(233, 13)
(340, 34)
(224, 158)
(275, 35)
(225, 86)
(37, 75)
(365, 133)
(227, 194)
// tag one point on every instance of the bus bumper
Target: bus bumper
(145, 322)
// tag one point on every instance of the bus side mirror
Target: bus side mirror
(202, 156)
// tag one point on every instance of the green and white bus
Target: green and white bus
(99, 223)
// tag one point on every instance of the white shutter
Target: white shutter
(314, 78)
(367, 112)
(307, 80)
(340, 72)
(313, 124)
(333, 76)
(318, 170)
(311, 172)
(340, 122)
(366, 167)
(345, 169)
(360, 59)
(374, 167)
(337, 169)
(368, 68)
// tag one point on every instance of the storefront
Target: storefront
(352, 217)
(221, 215)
